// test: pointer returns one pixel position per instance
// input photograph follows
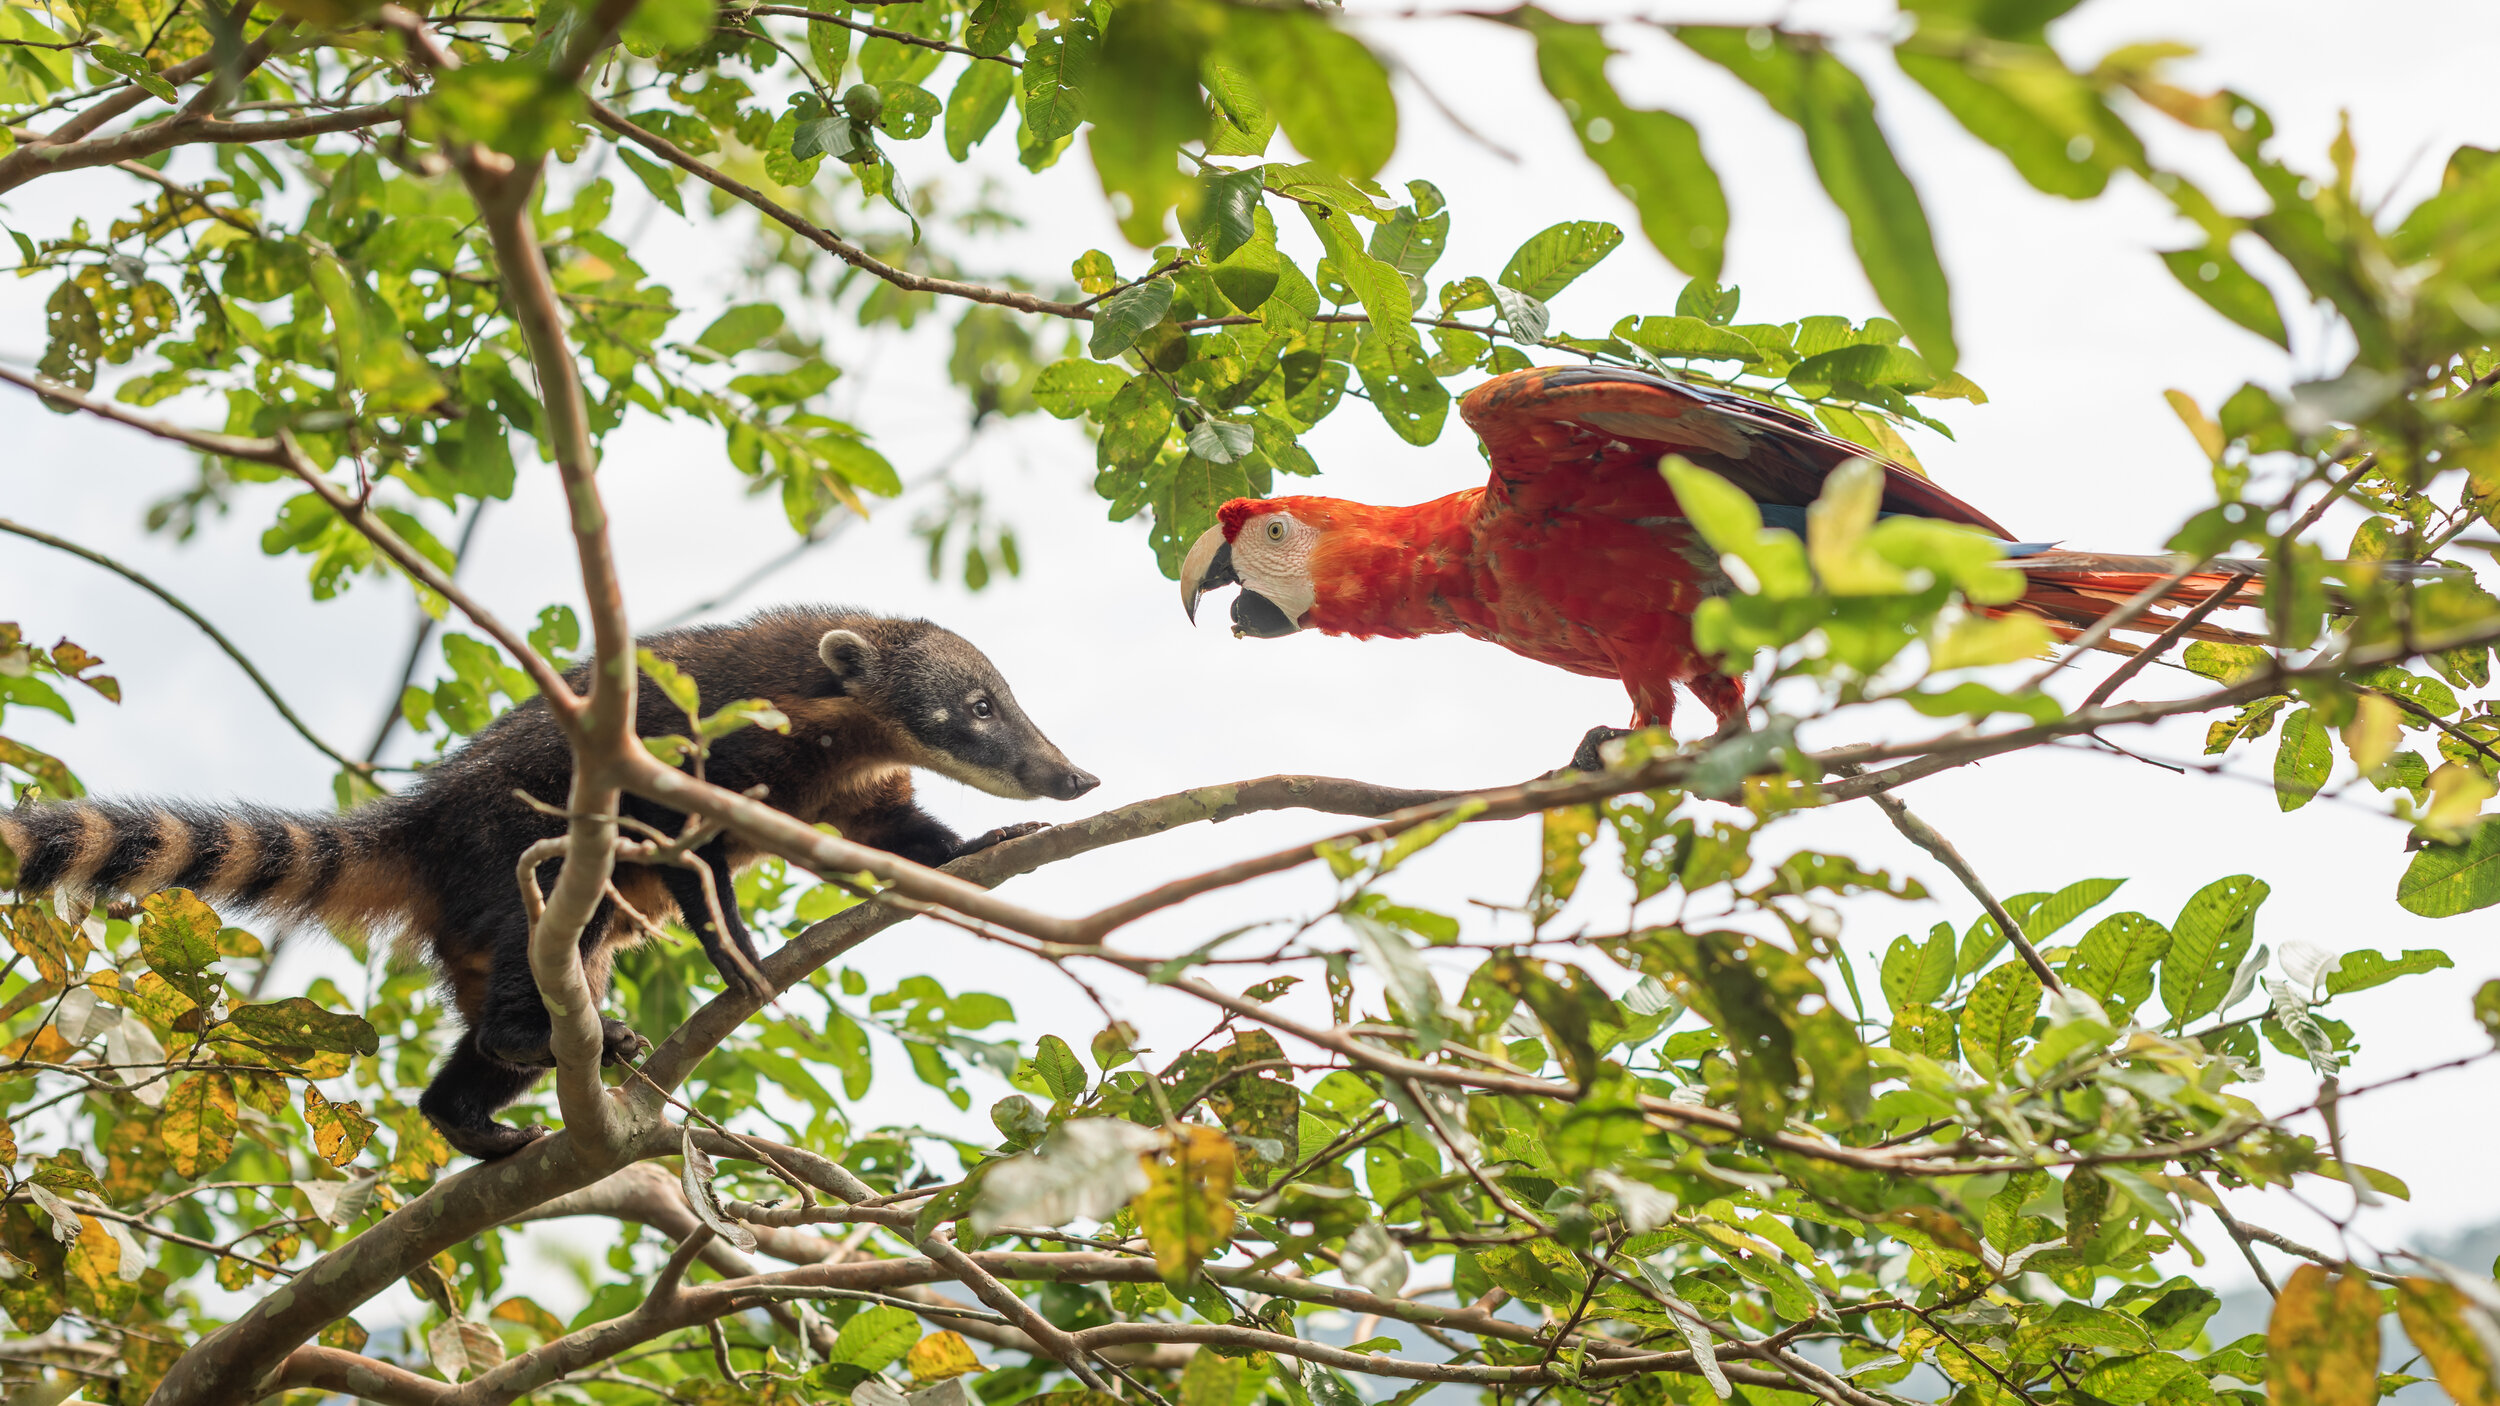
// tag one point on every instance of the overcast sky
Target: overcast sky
(2064, 315)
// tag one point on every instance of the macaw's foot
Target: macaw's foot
(1589, 757)
(1735, 724)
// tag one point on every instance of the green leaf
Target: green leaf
(830, 46)
(1058, 66)
(909, 109)
(1323, 87)
(1122, 317)
(1060, 1069)
(2022, 99)
(2446, 880)
(2114, 962)
(1685, 337)
(741, 328)
(1401, 385)
(1997, 1017)
(657, 177)
(1071, 388)
(1805, 83)
(1239, 124)
(875, 1338)
(300, 1022)
(1143, 107)
(134, 68)
(1654, 158)
(2207, 943)
(1548, 262)
(1379, 288)
(672, 25)
(2359, 971)
(1917, 973)
(2301, 760)
(2211, 273)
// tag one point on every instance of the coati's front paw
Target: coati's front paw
(491, 1142)
(623, 1044)
(1000, 835)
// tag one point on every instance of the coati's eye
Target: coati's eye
(980, 707)
(1276, 529)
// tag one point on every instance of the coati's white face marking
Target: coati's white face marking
(937, 715)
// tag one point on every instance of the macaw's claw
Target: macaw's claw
(1588, 757)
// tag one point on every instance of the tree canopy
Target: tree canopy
(373, 273)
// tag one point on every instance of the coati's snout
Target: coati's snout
(951, 701)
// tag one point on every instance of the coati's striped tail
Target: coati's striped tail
(341, 869)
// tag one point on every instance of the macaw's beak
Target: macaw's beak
(1209, 565)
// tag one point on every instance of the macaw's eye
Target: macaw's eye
(1276, 529)
(980, 707)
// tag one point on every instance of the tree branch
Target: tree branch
(332, 1370)
(823, 238)
(1923, 835)
(215, 635)
(283, 453)
(917, 41)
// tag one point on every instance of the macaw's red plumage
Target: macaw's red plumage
(1575, 553)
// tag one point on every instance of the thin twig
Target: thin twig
(1924, 835)
(215, 635)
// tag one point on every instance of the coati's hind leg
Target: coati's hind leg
(509, 1043)
(467, 1093)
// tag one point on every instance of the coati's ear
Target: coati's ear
(849, 655)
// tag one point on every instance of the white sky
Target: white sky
(2064, 316)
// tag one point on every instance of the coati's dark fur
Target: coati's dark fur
(868, 699)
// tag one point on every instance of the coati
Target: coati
(868, 699)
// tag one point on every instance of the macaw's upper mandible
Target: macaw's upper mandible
(1575, 553)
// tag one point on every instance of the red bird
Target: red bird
(1575, 553)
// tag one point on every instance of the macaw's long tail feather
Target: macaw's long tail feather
(2073, 590)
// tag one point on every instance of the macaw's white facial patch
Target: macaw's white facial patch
(1272, 556)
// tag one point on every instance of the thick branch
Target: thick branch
(329, 1369)
(605, 730)
(190, 131)
(675, 1059)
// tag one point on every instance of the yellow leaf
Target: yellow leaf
(340, 1130)
(1977, 640)
(2457, 796)
(1186, 1209)
(1837, 526)
(2372, 734)
(939, 1356)
(2434, 1316)
(2322, 1346)
(2208, 434)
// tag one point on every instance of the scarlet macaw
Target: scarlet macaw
(1575, 553)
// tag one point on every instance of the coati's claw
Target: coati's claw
(1000, 835)
(495, 1141)
(624, 1044)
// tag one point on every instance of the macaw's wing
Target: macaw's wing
(1586, 438)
